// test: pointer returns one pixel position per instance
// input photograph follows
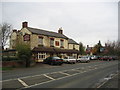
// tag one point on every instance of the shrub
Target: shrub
(9, 58)
(24, 53)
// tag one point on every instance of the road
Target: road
(79, 75)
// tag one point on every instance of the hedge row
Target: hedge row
(9, 58)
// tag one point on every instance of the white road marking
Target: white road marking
(22, 82)
(95, 68)
(8, 80)
(56, 72)
(75, 70)
(89, 66)
(65, 73)
(48, 77)
(95, 65)
(51, 80)
(82, 67)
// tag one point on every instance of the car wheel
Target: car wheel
(51, 63)
(60, 63)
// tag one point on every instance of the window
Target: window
(62, 43)
(40, 40)
(26, 37)
(57, 43)
(41, 55)
(52, 42)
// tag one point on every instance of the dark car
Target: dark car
(105, 58)
(53, 60)
(114, 57)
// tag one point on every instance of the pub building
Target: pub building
(44, 43)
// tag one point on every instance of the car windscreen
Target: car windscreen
(56, 58)
(71, 58)
(84, 57)
(65, 57)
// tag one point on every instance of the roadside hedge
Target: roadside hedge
(10, 58)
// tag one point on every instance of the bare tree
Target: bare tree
(113, 48)
(5, 31)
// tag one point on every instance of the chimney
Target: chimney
(87, 46)
(24, 24)
(60, 30)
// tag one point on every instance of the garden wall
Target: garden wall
(15, 64)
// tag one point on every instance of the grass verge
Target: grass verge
(6, 68)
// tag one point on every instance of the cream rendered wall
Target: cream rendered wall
(13, 37)
(70, 46)
(33, 37)
(46, 41)
(77, 47)
(58, 39)
(34, 41)
(65, 44)
(25, 30)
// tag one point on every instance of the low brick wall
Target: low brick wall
(13, 63)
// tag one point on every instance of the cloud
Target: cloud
(83, 21)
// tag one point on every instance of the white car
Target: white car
(69, 59)
(94, 57)
(84, 59)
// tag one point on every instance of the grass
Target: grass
(6, 68)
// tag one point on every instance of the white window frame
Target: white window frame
(41, 55)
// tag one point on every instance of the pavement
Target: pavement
(111, 82)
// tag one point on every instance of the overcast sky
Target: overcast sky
(86, 22)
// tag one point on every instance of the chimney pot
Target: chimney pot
(14, 30)
(24, 24)
(87, 46)
(60, 30)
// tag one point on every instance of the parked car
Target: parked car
(84, 59)
(93, 57)
(101, 58)
(69, 59)
(53, 60)
(106, 58)
(115, 57)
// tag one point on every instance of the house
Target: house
(44, 43)
(89, 50)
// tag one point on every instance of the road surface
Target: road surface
(79, 75)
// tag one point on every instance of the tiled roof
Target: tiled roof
(53, 50)
(47, 33)
(71, 41)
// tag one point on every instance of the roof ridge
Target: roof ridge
(43, 30)
(46, 32)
